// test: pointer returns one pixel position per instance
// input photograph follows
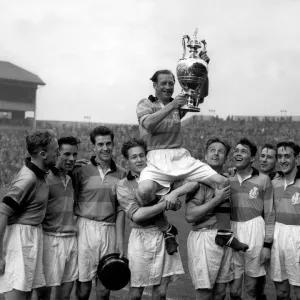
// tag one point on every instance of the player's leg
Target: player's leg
(18, 295)
(219, 291)
(250, 287)
(146, 196)
(136, 293)
(236, 289)
(297, 291)
(70, 274)
(283, 290)
(260, 288)
(43, 293)
(203, 294)
(83, 290)
(159, 292)
(146, 191)
(89, 242)
(102, 293)
(64, 291)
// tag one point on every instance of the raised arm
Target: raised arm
(197, 208)
(149, 119)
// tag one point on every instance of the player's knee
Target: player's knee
(235, 293)
(282, 294)
(83, 290)
(297, 292)
(220, 292)
(162, 295)
(145, 194)
(135, 294)
(250, 290)
(203, 294)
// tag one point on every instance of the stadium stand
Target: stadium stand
(195, 132)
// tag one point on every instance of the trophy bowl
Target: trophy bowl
(192, 72)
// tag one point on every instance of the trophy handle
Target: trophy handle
(204, 45)
(184, 44)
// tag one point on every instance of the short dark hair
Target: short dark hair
(218, 140)
(68, 140)
(291, 145)
(101, 130)
(135, 142)
(251, 145)
(38, 140)
(157, 73)
(271, 147)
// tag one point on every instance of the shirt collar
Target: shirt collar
(272, 175)
(254, 172)
(112, 166)
(131, 177)
(153, 99)
(35, 169)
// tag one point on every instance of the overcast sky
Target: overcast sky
(96, 56)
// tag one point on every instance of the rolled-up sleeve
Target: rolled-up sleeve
(144, 109)
(127, 200)
(19, 192)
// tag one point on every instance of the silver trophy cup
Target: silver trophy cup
(192, 71)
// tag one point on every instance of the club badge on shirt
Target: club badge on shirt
(253, 194)
(296, 198)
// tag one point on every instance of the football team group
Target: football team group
(60, 217)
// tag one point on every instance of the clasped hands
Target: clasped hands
(171, 202)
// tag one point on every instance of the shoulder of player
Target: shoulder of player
(146, 101)
(120, 170)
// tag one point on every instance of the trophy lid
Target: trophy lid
(194, 43)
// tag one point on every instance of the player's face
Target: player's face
(216, 155)
(242, 157)
(164, 87)
(68, 156)
(136, 159)
(286, 159)
(104, 147)
(267, 160)
(51, 154)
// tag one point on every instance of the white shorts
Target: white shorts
(165, 166)
(23, 254)
(95, 240)
(252, 233)
(208, 263)
(60, 259)
(285, 254)
(148, 260)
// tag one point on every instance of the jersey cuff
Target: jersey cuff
(11, 203)
(267, 245)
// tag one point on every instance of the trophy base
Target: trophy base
(187, 108)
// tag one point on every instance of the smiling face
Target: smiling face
(68, 157)
(164, 87)
(216, 154)
(136, 159)
(103, 147)
(286, 159)
(267, 160)
(242, 157)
